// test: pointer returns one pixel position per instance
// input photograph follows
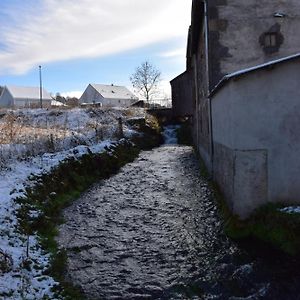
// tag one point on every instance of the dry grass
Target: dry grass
(26, 133)
(20, 134)
(10, 128)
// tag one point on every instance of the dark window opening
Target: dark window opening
(270, 40)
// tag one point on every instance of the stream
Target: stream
(153, 232)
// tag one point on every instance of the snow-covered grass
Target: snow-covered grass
(291, 210)
(33, 142)
(31, 132)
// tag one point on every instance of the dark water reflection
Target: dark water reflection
(153, 232)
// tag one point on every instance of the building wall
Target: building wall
(6, 99)
(31, 103)
(237, 33)
(91, 95)
(117, 102)
(182, 100)
(201, 121)
(256, 138)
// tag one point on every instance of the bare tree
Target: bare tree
(145, 80)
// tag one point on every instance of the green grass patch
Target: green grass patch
(270, 225)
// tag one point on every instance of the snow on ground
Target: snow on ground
(17, 282)
(291, 209)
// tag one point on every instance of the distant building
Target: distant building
(242, 65)
(19, 96)
(108, 96)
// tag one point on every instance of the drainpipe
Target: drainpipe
(208, 86)
(206, 44)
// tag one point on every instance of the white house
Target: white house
(108, 95)
(19, 96)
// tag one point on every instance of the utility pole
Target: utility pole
(41, 88)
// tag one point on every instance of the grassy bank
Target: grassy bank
(50, 193)
(269, 225)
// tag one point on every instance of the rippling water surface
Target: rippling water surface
(153, 232)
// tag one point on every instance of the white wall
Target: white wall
(6, 99)
(256, 127)
(25, 102)
(90, 95)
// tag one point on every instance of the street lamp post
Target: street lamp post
(41, 89)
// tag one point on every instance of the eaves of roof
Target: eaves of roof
(246, 71)
(179, 76)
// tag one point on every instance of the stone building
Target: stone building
(243, 62)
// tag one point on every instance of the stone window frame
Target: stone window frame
(271, 40)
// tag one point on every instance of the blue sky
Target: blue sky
(90, 41)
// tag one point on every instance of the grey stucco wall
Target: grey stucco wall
(256, 118)
(236, 30)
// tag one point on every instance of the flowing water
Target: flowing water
(153, 232)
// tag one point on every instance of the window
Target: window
(270, 39)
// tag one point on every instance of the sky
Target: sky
(78, 42)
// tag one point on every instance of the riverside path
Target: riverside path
(153, 232)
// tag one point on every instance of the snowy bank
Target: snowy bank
(20, 282)
(25, 136)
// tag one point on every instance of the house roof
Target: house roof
(114, 91)
(246, 71)
(179, 76)
(27, 92)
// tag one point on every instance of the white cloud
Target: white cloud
(71, 94)
(165, 89)
(68, 29)
(174, 53)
